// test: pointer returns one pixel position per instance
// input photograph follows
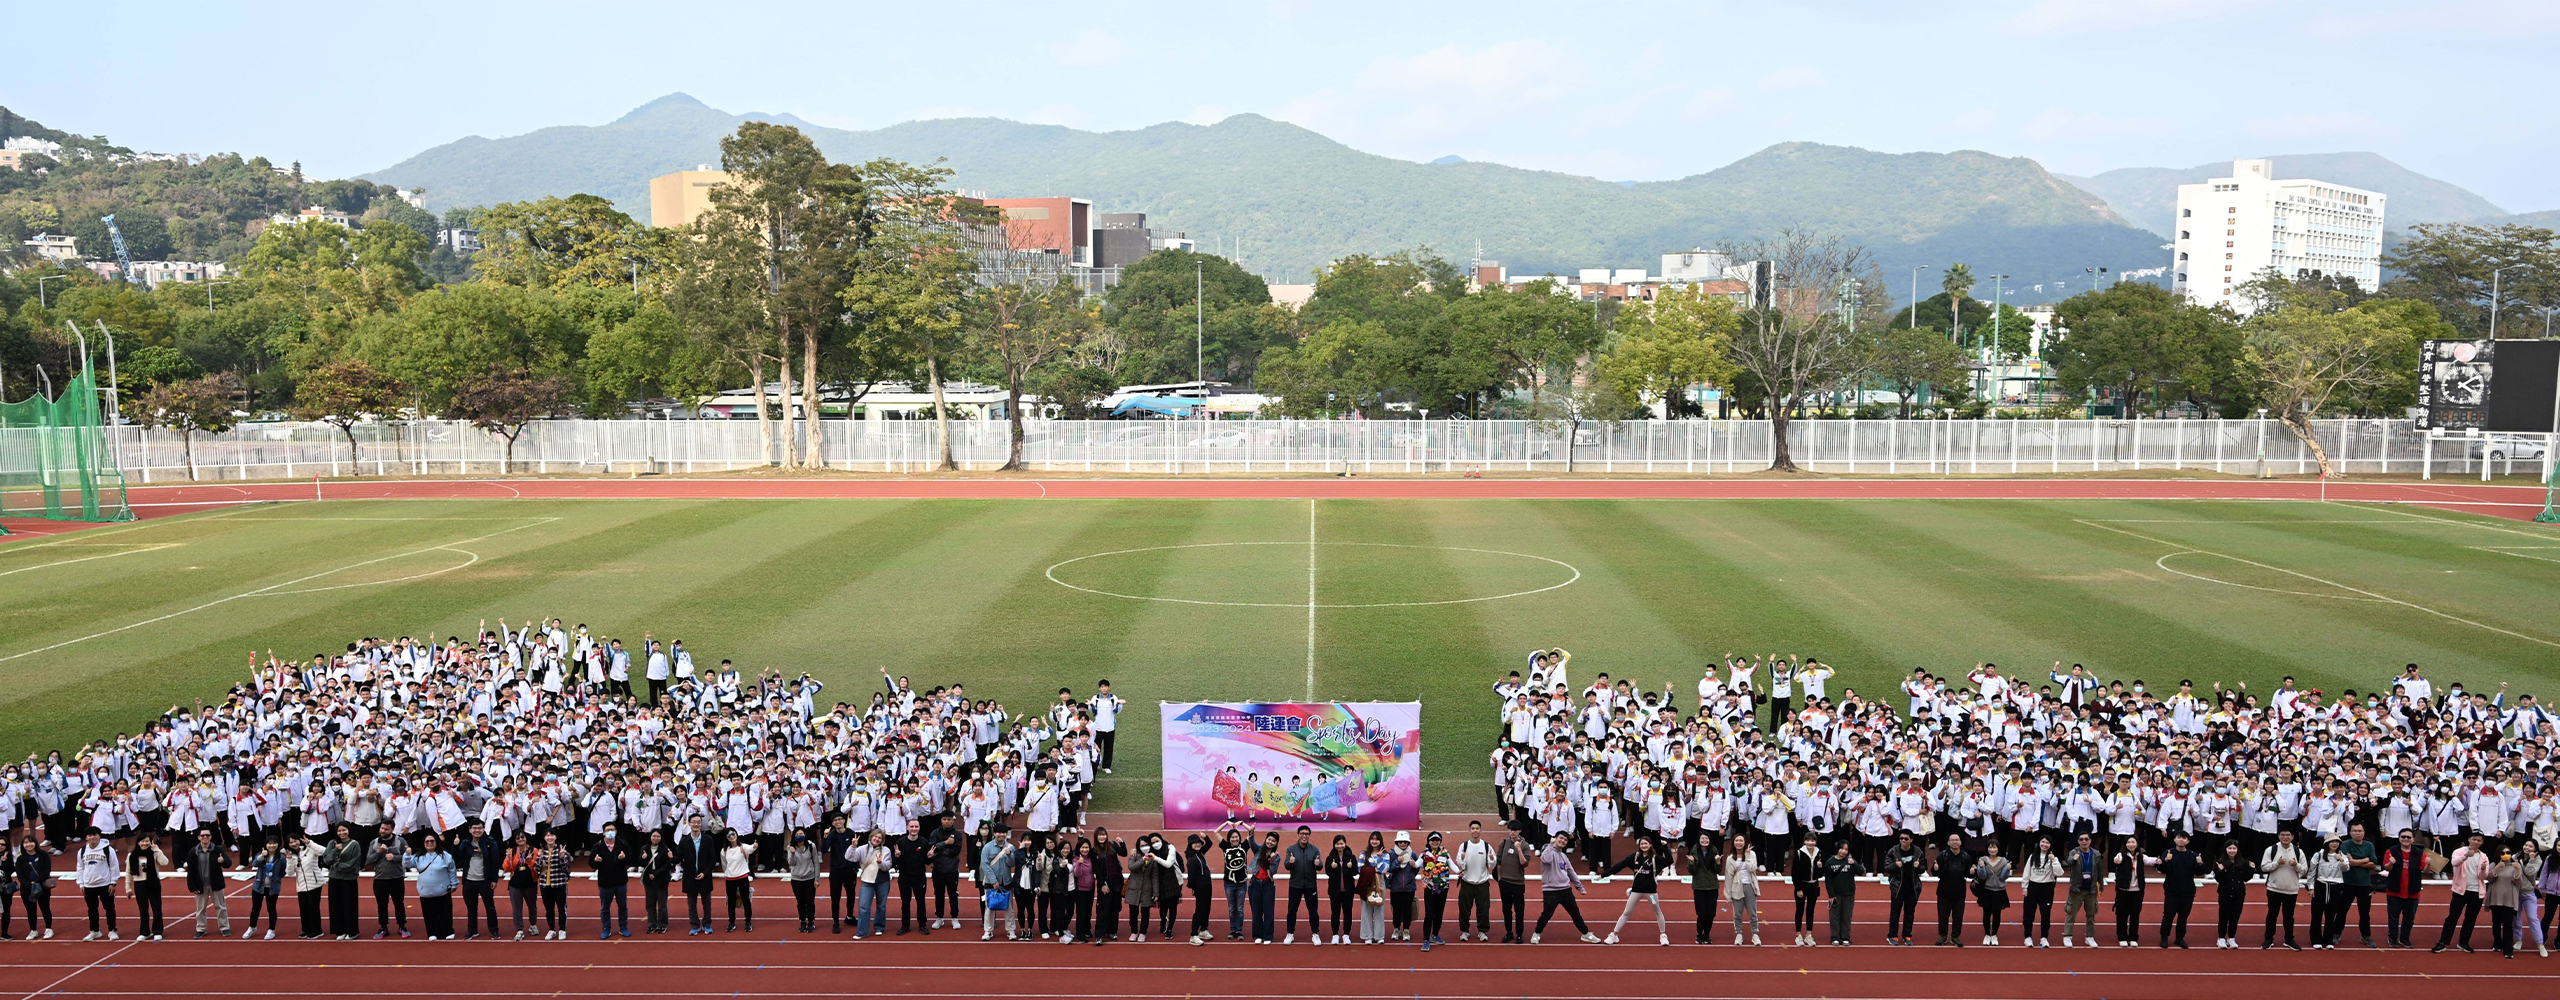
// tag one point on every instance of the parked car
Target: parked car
(2501, 447)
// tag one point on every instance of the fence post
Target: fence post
(1893, 447)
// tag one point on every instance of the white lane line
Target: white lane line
(135, 547)
(277, 586)
(1311, 598)
(2473, 524)
(2386, 599)
(2515, 550)
(102, 960)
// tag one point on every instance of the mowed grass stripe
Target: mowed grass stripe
(1601, 617)
(203, 654)
(1720, 596)
(1434, 654)
(2145, 626)
(2423, 562)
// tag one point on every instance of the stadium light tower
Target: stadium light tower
(1915, 292)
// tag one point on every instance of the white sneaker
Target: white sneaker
(112, 936)
(2066, 940)
(1342, 939)
(1289, 938)
(1533, 938)
(91, 936)
(1590, 938)
(48, 933)
(2092, 942)
(986, 935)
(2046, 942)
(1611, 939)
(1755, 940)
(1315, 939)
(1666, 940)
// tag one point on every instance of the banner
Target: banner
(1327, 765)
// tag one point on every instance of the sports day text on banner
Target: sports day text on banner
(1328, 765)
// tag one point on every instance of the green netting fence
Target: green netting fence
(55, 459)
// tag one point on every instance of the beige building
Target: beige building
(677, 199)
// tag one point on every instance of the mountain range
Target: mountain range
(1285, 200)
(2148, 196)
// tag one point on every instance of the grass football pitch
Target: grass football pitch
(1427, 600)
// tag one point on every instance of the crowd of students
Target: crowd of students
(2053, 787)
(528, 759)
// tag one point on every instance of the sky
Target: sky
(1621, 91)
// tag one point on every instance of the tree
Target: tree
(1176, 313)
(1534, 336)
(1680, 339)
(1805, 339)
(192, 405)
(2448, 266)
(1077, 389)
(1022, 324)
(343, 394)
(915, 266)
(1910, 361)
(2142, 342)
(556, 243)
(1958, 283)
(2304, 358)
(504, 401)
(455, 333)
(782, 229)
(1347, 365)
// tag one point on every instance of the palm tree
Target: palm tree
(1957, 283)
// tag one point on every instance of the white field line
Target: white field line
(75, 973)
(2516, 551)
(129, 549)
(535, 522)
(2471, 524)
(2183, 548)
(1311, 599)
(1052, 574)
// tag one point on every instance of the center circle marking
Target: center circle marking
(1052, 574)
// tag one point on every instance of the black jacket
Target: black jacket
(1955, 871)
(657, 864)
(204, 871)
(698, 856)
(943, 845)
(2178, 874)
(614, 860)
(486, 848)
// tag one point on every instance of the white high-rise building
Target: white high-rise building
(2231, 228)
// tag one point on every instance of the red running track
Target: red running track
(776, 961)
(2515, 502)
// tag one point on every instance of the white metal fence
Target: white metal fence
(439, 447)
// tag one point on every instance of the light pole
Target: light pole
(40, 280)
(1200, 325)
(208, 290)
(2494, 298)
(2097, 276)
(1915, 293)
(1999, 297)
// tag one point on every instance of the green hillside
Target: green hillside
(1295, 199)
(2149, 195)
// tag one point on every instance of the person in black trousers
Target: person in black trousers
(909, 852)
(1706, 879)
(2231, 874)
(613, 860)
(844, 882)
(1804, 875)
(1511, 875)
(1341, 868)
(1110, 884)
(2133, 875)
(145, 867)
(1903, 863)
(2179, 870)
(1195, 867)
(1301, 862)
(343, 859)
(698, 855)
(476, 855)
(1954, 869)
(657, 869)
(943, 848)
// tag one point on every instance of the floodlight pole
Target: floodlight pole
(2551, 467)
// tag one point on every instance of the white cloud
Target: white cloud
(1089, 49)
(1792, 78)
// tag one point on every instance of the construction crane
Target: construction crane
(122, 257)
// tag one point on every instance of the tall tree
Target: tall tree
(556, 243)
(1021, 325)
(788, 217)
(192, 405)
(1910, 361)
(916, 262)
(2449, 266)
(1805, 339)
(1178, 312)
(1680, 339)
(1535, 336)
(504, 401)
(2142, 342)
(1957, 283)
(2304, 359)
(343, 394)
